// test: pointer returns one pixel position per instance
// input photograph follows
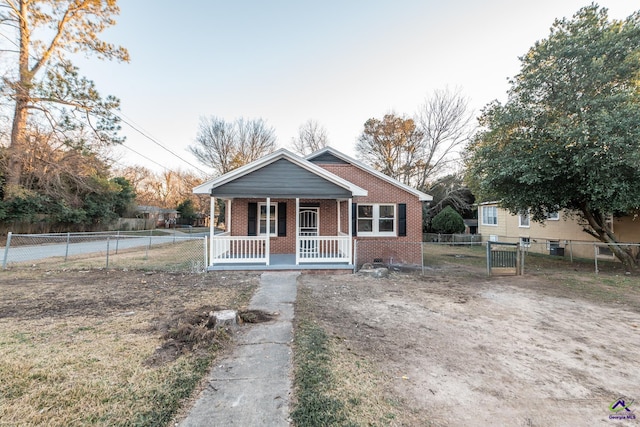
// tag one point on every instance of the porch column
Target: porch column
(267, 227)
(350, 207)
(339, 221)
(212, 228)
(297, 249)
(228, 224)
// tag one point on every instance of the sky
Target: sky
(336, 62)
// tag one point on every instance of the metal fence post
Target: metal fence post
(204, 250)
(66, 250)
(595, 256)
(107, 266)
(146, 256)
(488, 258)
(422, 256)
(6, 251)
(117, 241)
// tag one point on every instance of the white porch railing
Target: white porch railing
(324, 248)
(228, 249)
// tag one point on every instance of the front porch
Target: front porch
(282, 212)
(274, 241)
(281, 262)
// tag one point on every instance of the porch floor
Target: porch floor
(280, 262)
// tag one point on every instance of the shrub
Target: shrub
(448, 221)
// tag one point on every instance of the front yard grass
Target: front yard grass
(89, 347)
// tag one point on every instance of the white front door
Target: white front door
(308, 222)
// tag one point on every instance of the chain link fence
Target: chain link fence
(587, 256)
(470, 257)
(147, 250)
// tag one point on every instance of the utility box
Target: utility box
(557, 251)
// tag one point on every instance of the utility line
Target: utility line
(130, 123)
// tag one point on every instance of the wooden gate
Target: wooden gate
(504, 258)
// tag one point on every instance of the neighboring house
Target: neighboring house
(556, 235)
(157, 217)
(285, 211)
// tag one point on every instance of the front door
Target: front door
(308, 222)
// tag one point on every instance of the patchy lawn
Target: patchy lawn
(92, 347)
(555, 347)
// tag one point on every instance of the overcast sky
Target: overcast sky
(337, 62)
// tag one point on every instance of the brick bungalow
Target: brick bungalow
(318, 206)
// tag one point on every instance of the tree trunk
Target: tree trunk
(600, 231)
(17, 147)
(18, 144)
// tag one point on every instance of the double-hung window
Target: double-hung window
(524, 220)
(489, 215)
(273, 218)
(376, 220)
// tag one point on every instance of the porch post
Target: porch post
(212, 228)
(267, 245)
(297, 249)
(228, 230)
(350, 208)
(339, 221)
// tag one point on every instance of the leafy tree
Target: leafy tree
(392, 146)
(568, 136)
(448, 221)
(225, 146)
(311, 137)
(187, 211)
(417, 151)
(45, 86)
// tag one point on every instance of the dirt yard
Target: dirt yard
(552, 348)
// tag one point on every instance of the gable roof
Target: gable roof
(326, 154)
(310, 179)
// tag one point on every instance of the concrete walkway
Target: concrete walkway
(252, 386)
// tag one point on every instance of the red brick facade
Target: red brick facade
(400, 249)
(389, 249)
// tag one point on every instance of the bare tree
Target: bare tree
(311, 137)
(225, 146)
(445, 122)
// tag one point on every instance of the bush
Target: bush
(448, 221)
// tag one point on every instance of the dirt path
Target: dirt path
(467, 351)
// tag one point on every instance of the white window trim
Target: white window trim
(553, 216)
(520, 223)
(275, 219)
(376, 220)
(482, 215)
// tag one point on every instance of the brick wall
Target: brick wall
(381, 191)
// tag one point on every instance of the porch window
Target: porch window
(273, 219)
(376, 220)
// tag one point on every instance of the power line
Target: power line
(130, 123)
(145, 157)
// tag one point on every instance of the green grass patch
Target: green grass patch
(313, 381)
